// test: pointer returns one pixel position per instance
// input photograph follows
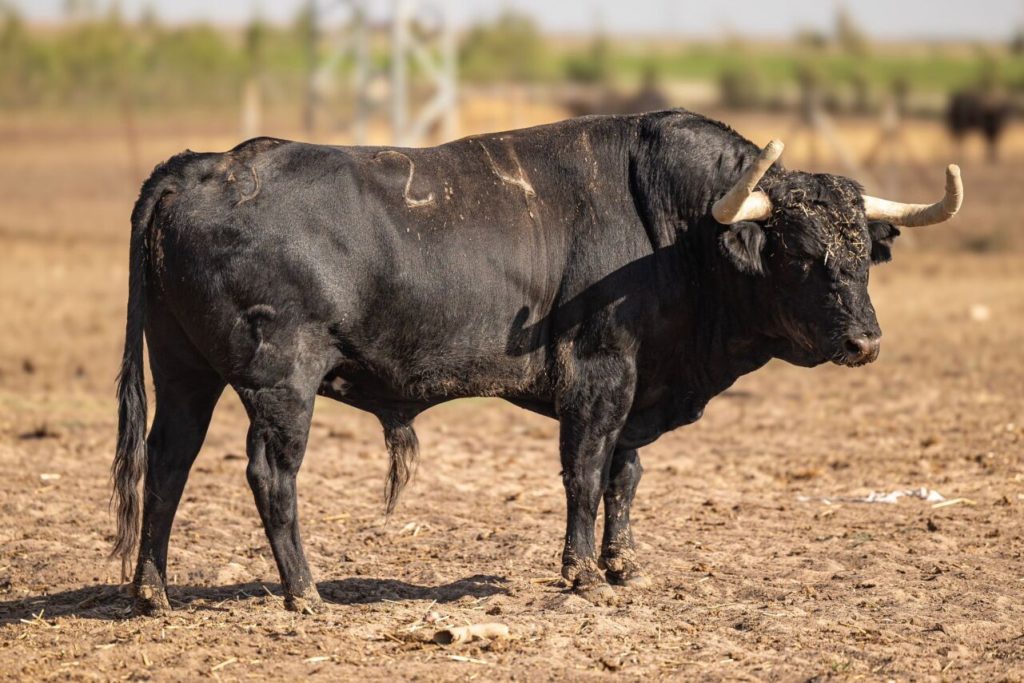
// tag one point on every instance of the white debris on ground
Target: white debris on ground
(891, 497)
(925, 494)
(980, 313)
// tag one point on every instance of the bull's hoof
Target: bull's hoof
(600, 594)
(629, 580)
(587, 581)
(622, 569)
(149, 601)
(304, 604)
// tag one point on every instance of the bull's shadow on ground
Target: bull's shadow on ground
(110, 602)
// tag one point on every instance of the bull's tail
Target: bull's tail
(403, 447)
(129, 467)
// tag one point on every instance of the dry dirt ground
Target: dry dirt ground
(764, 566)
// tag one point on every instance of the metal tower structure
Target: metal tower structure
(418, 90)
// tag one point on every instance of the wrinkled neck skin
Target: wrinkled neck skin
(736, 316)
(715, 323)
(726, 322)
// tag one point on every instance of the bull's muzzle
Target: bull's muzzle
(861, 349)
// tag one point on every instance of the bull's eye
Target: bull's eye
(803, 269)
(797, 268)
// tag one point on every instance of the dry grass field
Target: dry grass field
(765, 565)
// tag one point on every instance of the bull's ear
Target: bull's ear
(743, 243)
(882, 235)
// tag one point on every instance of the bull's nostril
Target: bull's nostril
(861, 349)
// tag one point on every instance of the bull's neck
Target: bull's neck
(704, 338)
(724, 320)
(718, 314)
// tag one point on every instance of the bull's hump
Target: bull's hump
(244, 151)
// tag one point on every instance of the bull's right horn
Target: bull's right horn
(741, 202)
(916, 215)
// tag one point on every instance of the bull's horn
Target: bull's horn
(915, 215)
(741, 202)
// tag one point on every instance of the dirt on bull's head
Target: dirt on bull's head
(819, 248)
(814, 250)
(824, 213)
(814, 237)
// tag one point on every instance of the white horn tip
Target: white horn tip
(774, 149)
(954, 190)
(916, 215)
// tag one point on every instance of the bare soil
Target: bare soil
(763, 564)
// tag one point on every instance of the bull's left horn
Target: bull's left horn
(916, 215)
(741, 202)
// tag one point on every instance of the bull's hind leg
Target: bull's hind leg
(280, 416)
(618, 550)
(591, 413)
(186, 393)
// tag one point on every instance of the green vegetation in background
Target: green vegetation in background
(936, 71)
(509, 49)
(101, 60)
(96, 61)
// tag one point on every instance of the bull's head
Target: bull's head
(814, 237)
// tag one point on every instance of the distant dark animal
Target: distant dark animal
(988, 113)
(614, 273)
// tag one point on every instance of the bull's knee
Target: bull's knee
(625, 473)
(257, 473)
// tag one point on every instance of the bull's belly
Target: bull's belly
(381, 381)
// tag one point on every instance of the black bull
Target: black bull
(572, 269)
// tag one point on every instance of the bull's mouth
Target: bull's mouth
(847, 363)
(807, 348)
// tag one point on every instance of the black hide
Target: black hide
(573, 269)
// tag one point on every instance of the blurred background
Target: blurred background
(94, 93)
(877, 90)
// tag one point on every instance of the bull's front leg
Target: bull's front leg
(618, 550)
(591, 412)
